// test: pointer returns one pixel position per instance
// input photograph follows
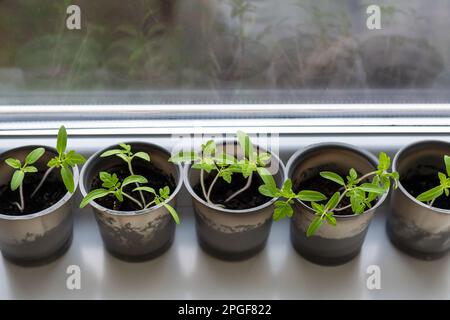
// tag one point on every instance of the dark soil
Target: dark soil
(328, 188)
(416, 183)
(248, 199)
(50, 193)
(156, 177)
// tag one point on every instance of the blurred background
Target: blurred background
(198, 51)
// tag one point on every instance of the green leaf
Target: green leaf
(447, 164)
(287, 187)
(17, 180)
(30, 169)
(173, 213)
(61, 142)
(331, 219)
(123, 157)
(314, 226)
(371, 197)
(164, 192)
(431, 194)
(442, 178)
(248, 168)
(311, 196)
(143, 155)
(184, 157)
(353, 174)
(264, 158)
(395, 175)
(126, 147)
(372, 188)
(386, 179)
(268, 191)
(119, 195)
(331, 204)
(357, 200)
(105, 176)
(72, 158)
(14, 163)
(246, 145)
(226, 175)
(109, 181)
(67, 177)
(110, 153)
(95, 194)
(134, 179)
(384, 162)
(333, 177)
(282, 210)
(54, 162)
(209, 149)
(267, 177)
(319, 208)
(145, 189)
(34, 155)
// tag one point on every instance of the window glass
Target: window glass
(224, 51)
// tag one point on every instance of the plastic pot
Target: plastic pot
(330, 245)
(415, 227)
(232, 234)
(41, 237)
(134, 235)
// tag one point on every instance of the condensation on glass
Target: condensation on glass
(203, 51)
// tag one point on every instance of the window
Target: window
(197, 59)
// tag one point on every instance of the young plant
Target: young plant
(127, 155)
(21, 170)
(431, 195)
(225, 165)
(360, 192)
(112, 186)
(64, 161)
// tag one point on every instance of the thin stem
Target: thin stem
(148, 205)
(133, 199)
(248, 184)
(202, 183)
(47, 173)
(18, 206)
(337, 203)
(130, 168)
(343, 208)
(432, 202)
(340, 199)
(22, 199)
(364, 177)
(211, 187)
(368, 175)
